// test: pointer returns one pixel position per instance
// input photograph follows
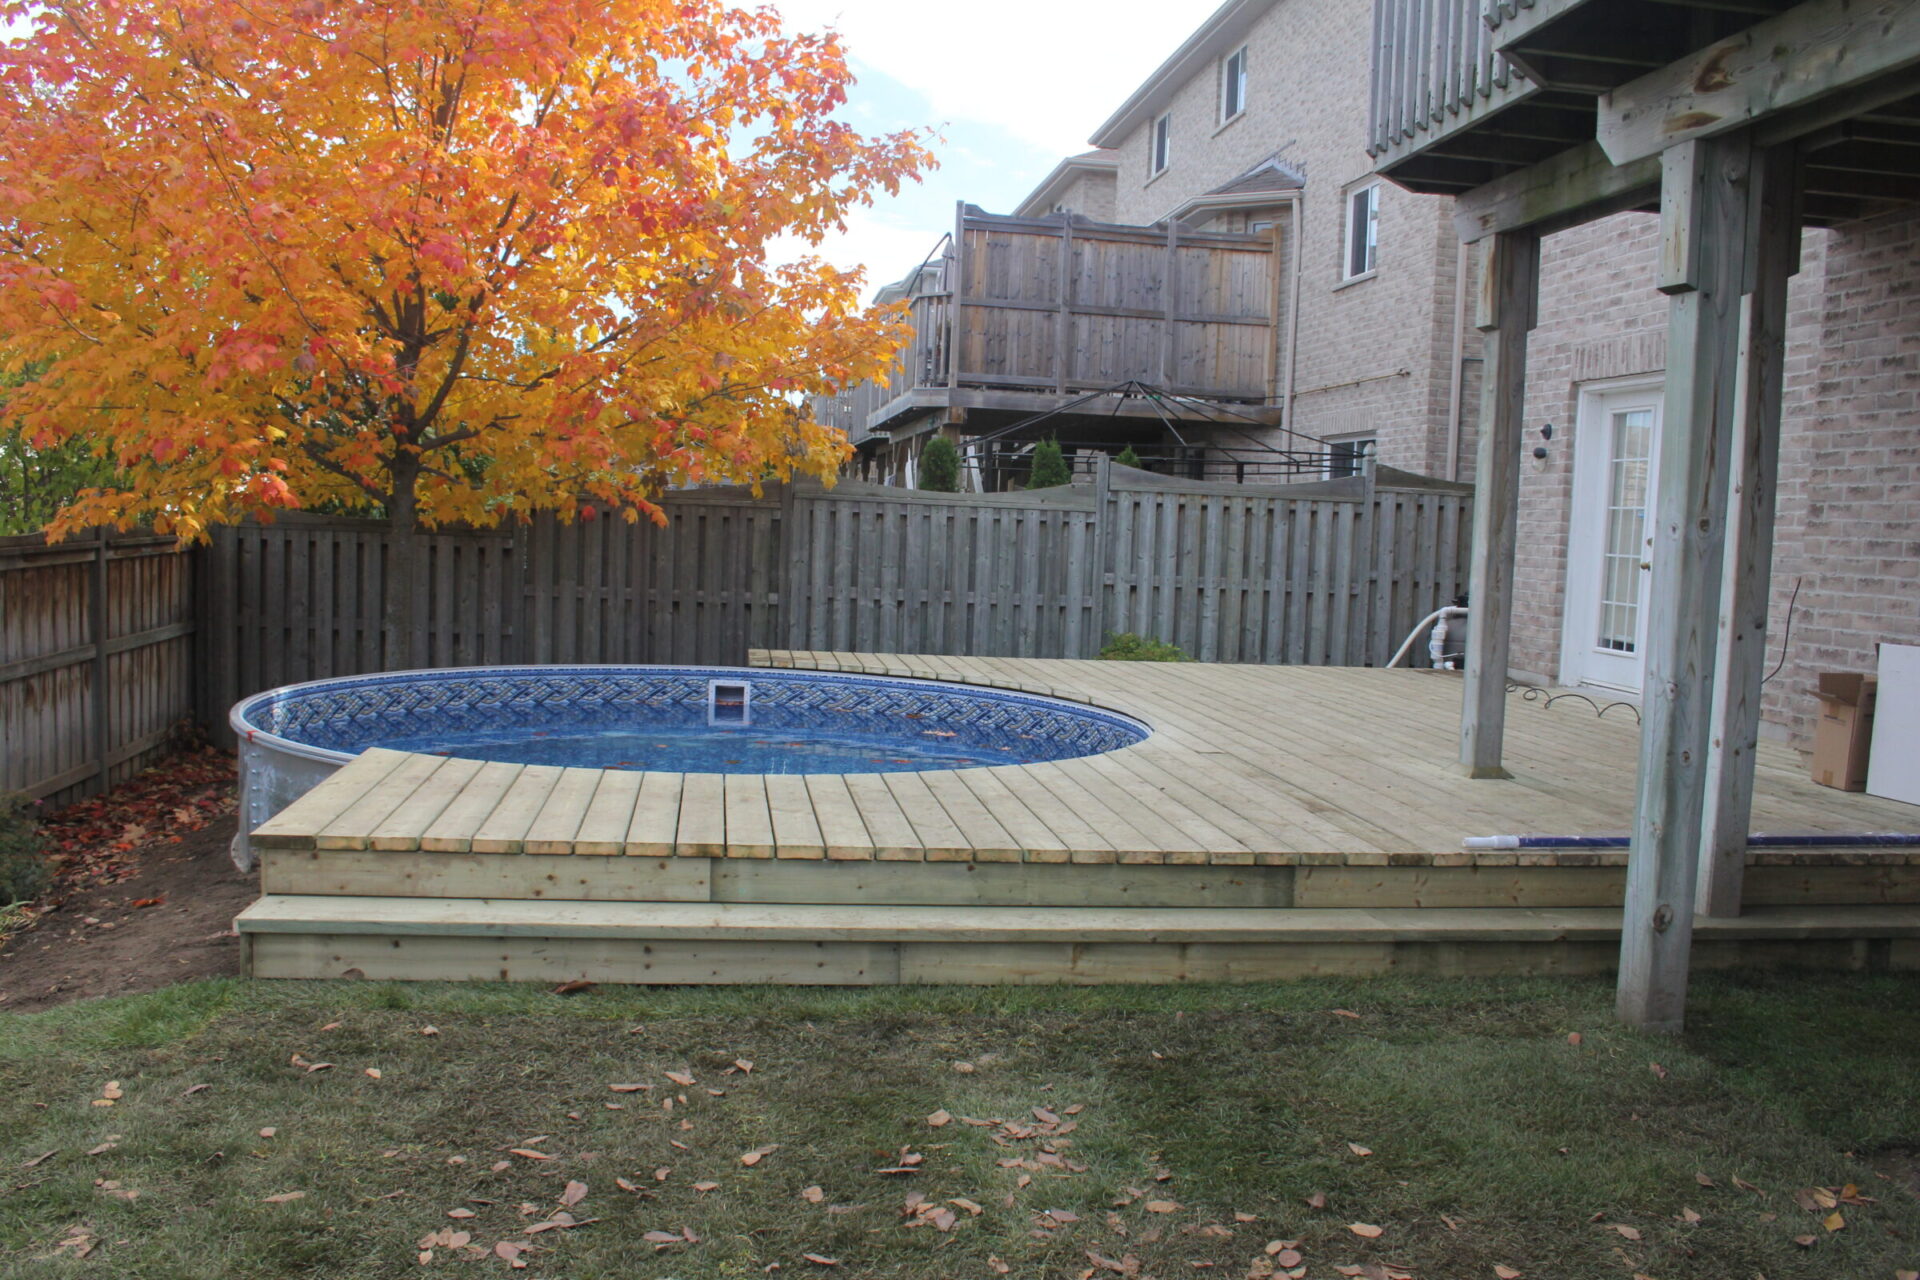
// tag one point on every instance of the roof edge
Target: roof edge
(1211, 40)
(1086, 162)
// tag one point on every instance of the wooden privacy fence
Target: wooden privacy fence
(1333, 573)
(96, 660)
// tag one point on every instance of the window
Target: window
(1363, 231)
(1233, 84)
(1348, 457)
(1160, 145)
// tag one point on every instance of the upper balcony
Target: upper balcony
(1467, 91)
(1022, 315)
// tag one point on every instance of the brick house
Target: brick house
(1259, 123)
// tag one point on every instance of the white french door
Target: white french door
(1616, 448)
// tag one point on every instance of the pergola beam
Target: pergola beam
(1574, 186)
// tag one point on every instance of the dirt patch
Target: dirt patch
(96, 942)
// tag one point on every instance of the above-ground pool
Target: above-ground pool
(672, 719)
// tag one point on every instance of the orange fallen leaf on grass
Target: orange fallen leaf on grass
(1505, 1272)
(1359, 1150)
(1626, 1232)
(682, 1078)
(575, 1192)
(704, 1187)
(1703, 1179)
(630, 1088)
(1833, 1221)
(509, 1251)
(755, 1156)
(1242, 1216)
(1162, 1206)
(573, 988)
(150, 902)
(940, 1119)
(813, 1195)
(285, 1197)
(528, 1153)
(1318, 1200)
(821, 1260)
(373, 1073)
(1574, 1038)
(1365, 1230)
(1345, 1013)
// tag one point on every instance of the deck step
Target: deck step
(315, 936)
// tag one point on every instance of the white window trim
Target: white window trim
(1346, 232)
(1226, 80)
(1153, 145)
(1371, 439)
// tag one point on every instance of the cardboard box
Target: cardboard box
(1843, 736)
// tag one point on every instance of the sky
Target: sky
(1013, 86)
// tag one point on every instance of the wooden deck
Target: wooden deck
(1279, 822)
(1247, 765)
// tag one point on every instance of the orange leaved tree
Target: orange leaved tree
(441, 260)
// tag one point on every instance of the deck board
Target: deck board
(1308, 766)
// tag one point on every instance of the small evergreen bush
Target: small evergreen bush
(1049, 466)
(1128, 647)
(1128, 458)
(940, 466)
(23, 852)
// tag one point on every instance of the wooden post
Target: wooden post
(1705, 217)
(102, 702)
(1063, 322)
(1510, 289)
(1748, 571)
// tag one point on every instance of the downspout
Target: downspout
(1458, 393)
(1293, 313)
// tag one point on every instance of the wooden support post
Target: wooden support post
(1748, 571)
(100, 620)
(1510, 288)
(1705, 216)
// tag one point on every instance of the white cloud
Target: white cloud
(1047, 71)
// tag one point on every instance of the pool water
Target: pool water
(703, 749)
(664, 719)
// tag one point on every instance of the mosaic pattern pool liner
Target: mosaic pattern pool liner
(656, 718)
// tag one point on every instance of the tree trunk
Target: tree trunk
(402, 622)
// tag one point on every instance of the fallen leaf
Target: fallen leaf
(743, 1066)
(575, 1192)
(1365, 1230)
(1359, 1150)
(268, 1132)
(663, 1173)
(1574, 1038)
(195, 1088)
(574, 987)
(112, 1091)
(431, 1031)
(1286, 1257)
(103, 1148)
(461, 1214)
(373, 1073)
(662, 1237)
(1659, 1072)
(1162, 1206)
(1744, 1185)
(704, 1187)
(1239, 1216)
(333, 1026)
(1703, 1179)
(965, 1068)
(150, 902)
(813, 1195)
(1626, 1232)
(682, 1078)
(286, 1197)
(1805, 1242)
(1345, 1013)
(1833, 1222)
(1505, 1272)
(999, 1268)
(1318, 1200)
(821, 1260)
(1688, 1216)
(940, 1119)
(42, 1158)
(755, 1156)
(528, 1153)
(629, 1088)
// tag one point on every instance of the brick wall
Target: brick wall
(1848, 527)
(1374, 356)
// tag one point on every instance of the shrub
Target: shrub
(1049, 466)
(1128, 458)
(940, 466)
(1128, 647)
(23, 852)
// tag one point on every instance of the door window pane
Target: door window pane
(1632, 440)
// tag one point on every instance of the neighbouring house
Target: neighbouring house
(1228, 255)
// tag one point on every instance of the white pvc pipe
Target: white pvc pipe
(1450, 611)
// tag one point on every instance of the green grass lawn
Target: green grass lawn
(1156, 1132)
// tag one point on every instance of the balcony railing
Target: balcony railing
(1029, 311)
(1435, 71)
